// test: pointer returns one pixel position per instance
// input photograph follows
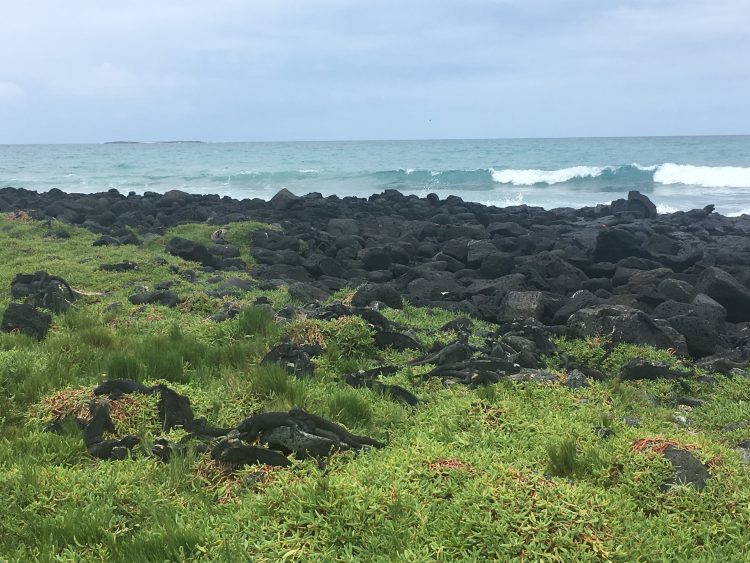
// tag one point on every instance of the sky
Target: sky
(255, 70)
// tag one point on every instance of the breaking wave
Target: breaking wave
(706, 176)
(536, 176)
(497, 184)
(666, 174)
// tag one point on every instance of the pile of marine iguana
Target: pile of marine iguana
(39, 290)
(263, 438)
(515, 350)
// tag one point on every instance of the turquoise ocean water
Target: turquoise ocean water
(676, 172)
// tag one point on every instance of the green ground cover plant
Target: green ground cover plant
(511, 471)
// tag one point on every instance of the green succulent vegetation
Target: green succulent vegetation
(512, 471)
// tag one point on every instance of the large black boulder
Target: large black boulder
(377, 292)
(700, 322)
(477, 252)
(26, 319)
(616, 243)
(579, 300)
(375, 259)
(701, 335)
(342, 227)
(321, 265)
(225, 250)
(677, 290)
(726, 290)
(522, 305)
(307, 293)
(496, 264)
(637, 204)
(194, 251)
(284, 199)
(625, 325)
(435, 286)
(709, 309)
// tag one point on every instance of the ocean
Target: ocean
(677, 173)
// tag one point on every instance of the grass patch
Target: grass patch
(563, 458)
(124, 366)
(256, 321)
(462, 477)
(273, 382)
(349, 408)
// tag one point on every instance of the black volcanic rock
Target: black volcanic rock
(496, 264)
(284, 199)
(377, 292)
(307, 293)
(625, 325)
(726, 290)
(678, 290)
(618, 242)
(686, 469)
(159, 297)
(43, 290)
(637, 206)
(375, 259)
(26, 319)
(194, 251)
(522, 305)
(465, 256)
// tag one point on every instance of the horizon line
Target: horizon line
(198, 142)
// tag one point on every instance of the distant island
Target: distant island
(151, 142)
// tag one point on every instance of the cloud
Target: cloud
(317, 69)
(107, 81)
(10, 90)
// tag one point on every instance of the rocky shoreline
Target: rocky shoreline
(678, 281)
(206, 349)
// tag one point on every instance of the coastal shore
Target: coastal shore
(393, 378)
(685, 274)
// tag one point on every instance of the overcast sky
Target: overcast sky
(235, 70)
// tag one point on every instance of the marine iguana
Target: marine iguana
(252, 426)
(175, 410)
(317, 425)
(116, 388)
(455, 352)
(101, 422)
(237, 452)
(367, 379)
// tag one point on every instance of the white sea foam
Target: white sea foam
(667, 173)
(504, 202)
(535, 176)
(706, 176)
(662, 208)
